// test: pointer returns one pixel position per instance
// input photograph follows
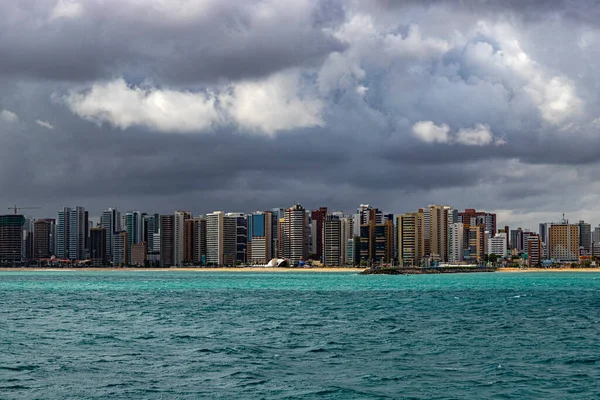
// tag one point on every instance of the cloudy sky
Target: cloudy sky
(245, 105)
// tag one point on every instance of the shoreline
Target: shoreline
(523, 270)
(187, 269)
(269, 270)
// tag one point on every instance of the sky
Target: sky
(203, 105)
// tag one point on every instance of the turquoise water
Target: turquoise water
(156, 335)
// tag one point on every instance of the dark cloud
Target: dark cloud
(218, 40)
(372, 69)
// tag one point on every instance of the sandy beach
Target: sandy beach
(549, 270)
(274, 270)
(247, 269)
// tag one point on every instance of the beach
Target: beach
(549, 270)
(189, 269)
(276, 269)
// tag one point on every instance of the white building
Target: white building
(456, 242)
(497, 245)
(220, 239)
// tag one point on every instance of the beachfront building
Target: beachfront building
(221, 239)
(98, 247)
(332, 242)
(42, 237)
(563, 242)
(438, 232)
(456, 247)
(534, 250)
(260, 238)
(166, 241)
(294, 229)
(376, 240)
(120, 252)
(139, 254)
(497, 245)
(11, 237)
(411, 240)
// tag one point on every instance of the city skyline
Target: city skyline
(431, 234)
(96, 216)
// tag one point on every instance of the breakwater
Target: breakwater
(425, 271)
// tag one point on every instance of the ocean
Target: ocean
(189, 335)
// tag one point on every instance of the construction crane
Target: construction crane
(16, 208)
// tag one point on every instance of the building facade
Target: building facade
(98, 247)
(295, 234)
(167, 241)
(42, 242)
(563, 242)
(11, 238)
(332, 241)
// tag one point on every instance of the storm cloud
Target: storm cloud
(220, 104)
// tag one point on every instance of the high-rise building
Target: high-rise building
(42, 238)
(71, 233)
(345, 236)
(241, 235)
(596, 234)
(139, 254)
(167, 240)
(179, 236)
(585, 238)
(295, 234)
(221, 239)
(318, 216)
(28, 231)
(134, 223)
(195, 241)
(426, 231)
(438, 232)
(534, 250)
(564, 242)
(332, 243)
(98, 246)
(110, 220)
(473, 217)
(376, 240)
(151, 224)
(78, 225)
(120, 252)
(278, 213)
(477, 245)
(456, 248)
(516, 239)
(11, 237)
(260, 237)
(62, 233)
(497, 245)
(411, 239)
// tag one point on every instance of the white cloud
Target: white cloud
(429, 132)
(264, 106)
(124, 106)
(66, 9)
(480, 135)
(8, 116)
(45, 124)
(554, 96)
(272, 105)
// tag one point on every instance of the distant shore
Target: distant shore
(270, 270)
(199, 269)
(596, 269)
